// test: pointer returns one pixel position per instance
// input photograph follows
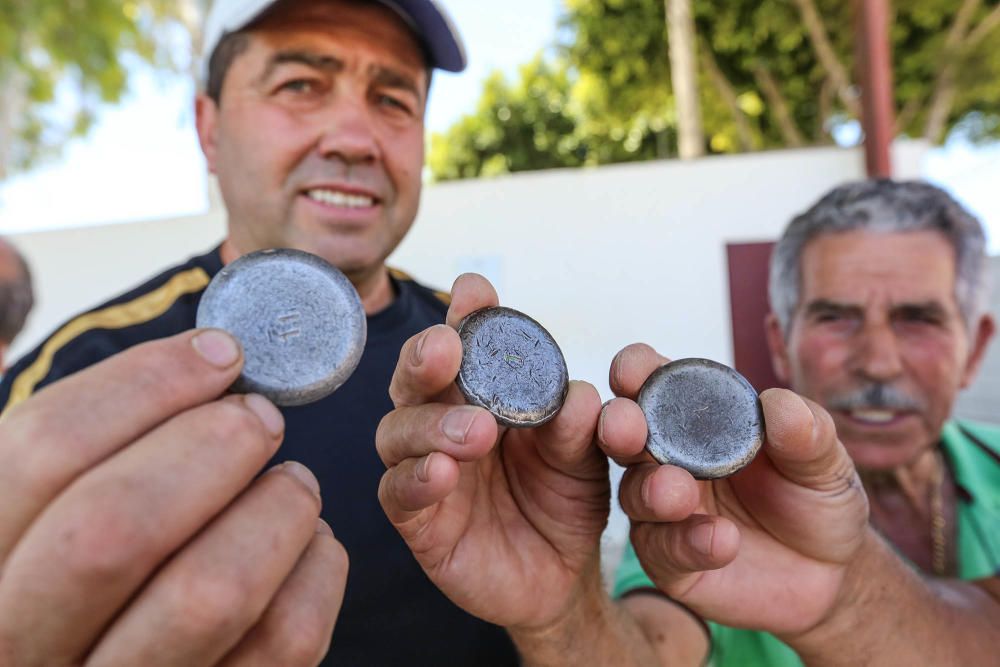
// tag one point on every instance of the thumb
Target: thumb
(802, 442)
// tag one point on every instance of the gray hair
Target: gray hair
(884, 206)
(17, 297)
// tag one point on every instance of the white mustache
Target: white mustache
(876, 395)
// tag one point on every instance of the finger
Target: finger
(296, 628)
(415, 485)
(622, 432)
(464, 432)
(428, 365)
(802, 442)
(567, 441)
(674, 555)
(470, 293)
(50, 439)
(99, 540)
(653, 493)
(211, 593)
(631, 367)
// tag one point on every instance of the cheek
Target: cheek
(936, 365)
(819, 360)
(404, 159)
(265, 143)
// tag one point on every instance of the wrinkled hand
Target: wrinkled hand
(506, 522)
(132, 531)
(767, 547)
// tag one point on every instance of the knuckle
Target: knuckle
(205, 606)
(105, 545)
(303, 645)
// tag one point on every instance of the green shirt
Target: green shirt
(973, 453)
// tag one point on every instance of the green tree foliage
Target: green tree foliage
(773, 73)
(60, 59)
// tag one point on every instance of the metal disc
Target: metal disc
(702, 416)
(512, 367)
(299, 320)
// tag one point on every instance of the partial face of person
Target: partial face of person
(878, 339)
(318, 141)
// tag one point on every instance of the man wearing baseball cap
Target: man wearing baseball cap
(134, 526)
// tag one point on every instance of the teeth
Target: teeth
(342, 199)
(874, 416)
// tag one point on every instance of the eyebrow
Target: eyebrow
(827, 306)
(380, 74)
(307, 58)
(927, 308)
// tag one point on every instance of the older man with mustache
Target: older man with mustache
(878, 296)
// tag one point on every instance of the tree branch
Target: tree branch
(789, 131)
(944, 91)
(827, 56)
(987, 25)
(721, 83)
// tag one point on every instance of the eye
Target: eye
(393, 102)
(300, 86)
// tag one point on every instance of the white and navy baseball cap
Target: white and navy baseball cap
(426, 18)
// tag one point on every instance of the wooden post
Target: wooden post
(875, 73)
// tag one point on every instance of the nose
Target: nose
(349, 132)
(877, 352)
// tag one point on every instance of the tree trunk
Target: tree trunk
(683, 73)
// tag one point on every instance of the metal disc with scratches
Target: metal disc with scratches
(512, 367)
(299, 320)
(702, 416)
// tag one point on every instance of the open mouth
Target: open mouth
(341, 199)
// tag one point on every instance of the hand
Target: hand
(766, 548)
(132, 531)
(507, 522)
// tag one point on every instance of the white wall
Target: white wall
(601, 257)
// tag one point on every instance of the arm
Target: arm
(792, 528)
(905, 618)
(133, 530)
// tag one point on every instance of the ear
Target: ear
(778, 349)
(981, 338)
(206, 114)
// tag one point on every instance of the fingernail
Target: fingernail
(269, 415)
(217, 348)
(301, 473)
(423, 468)
(418, 349)
(701, 538)
(323, 527)
(457, 422)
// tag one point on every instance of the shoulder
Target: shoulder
(985, 437)
(159, 307)
(429, 297)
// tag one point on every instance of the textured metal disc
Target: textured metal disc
(702, 416)
(512, 367)
(299, 319)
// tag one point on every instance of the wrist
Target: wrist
(847, 624)
(586, 616)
